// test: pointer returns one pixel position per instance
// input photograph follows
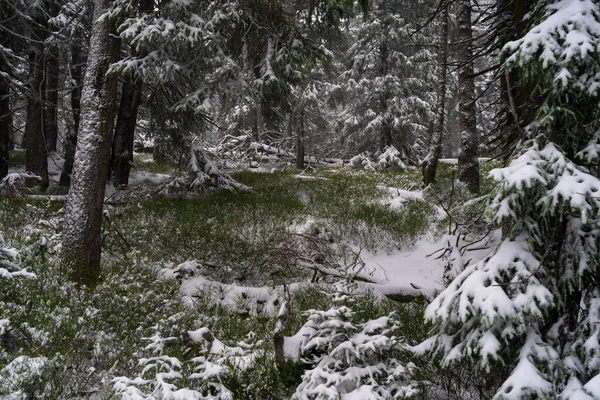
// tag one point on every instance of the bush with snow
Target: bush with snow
(388, 160)
(532, 304)
(18, 183)
(351, 360)
(165, 377)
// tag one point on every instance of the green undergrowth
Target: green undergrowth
(146, 162)
(83, 339)
(244, 236)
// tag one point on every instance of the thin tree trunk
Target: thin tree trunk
(4, 118)
(131, 98)
(76, 68)
(300, 141)
(35, 144)
(51, 79)
(122, 148)
(468, 163)
(518, 103)
(385, 139)
(289, 127)
(82, 239)
(435, 149)
(50, 114)
(255, 121)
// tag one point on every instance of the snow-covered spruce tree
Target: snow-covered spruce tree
(389, 83)
(165, 377)
(533, 304)
(351, 360)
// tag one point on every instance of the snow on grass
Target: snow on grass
(249, 299)
(310, 177)
(454, 161)
(413, 270)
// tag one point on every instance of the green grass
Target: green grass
(234, 236)
(145, 162)
(239, 236)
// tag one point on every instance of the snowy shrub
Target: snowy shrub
(197, 376)
(532, 304)
(18, 183)
(388, 160)
(391, 160)
(22, 377)
(465, 221)
(349, 359)
(363, 161)
(202, 175)
(166, 377)
(522, 294)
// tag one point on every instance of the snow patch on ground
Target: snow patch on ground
(410, 271)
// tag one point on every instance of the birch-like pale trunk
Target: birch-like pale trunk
(82, 239)
(468, 163)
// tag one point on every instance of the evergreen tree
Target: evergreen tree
(351, 360)
(387, 86)
(532, 304)
(468, 163)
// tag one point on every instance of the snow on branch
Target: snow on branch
(567, 37)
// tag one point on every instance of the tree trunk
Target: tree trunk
(518, 104)
(122, 148)
(50, 114)
(289, 127)
(468, 164)
(51, 78)
(77, 64)
(435, 148)
(35, 144)
(82, 239)
(300, 141)
(131, 98)
(254, 120)
(4, 116)
(385, 138)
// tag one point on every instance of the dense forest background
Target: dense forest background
(330, 79)
(506, 92)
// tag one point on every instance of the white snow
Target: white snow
(410, 271)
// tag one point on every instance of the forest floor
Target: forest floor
(221, 260)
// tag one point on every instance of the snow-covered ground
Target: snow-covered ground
(412, 270)
(415, 269)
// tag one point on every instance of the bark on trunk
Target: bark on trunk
(77, 64)
(289, 127)
(50, 114)
(82, 240)
(468, 164)
(122, 148)
(35, 143)
(254, 116)
(516, 96)
(435, 150)
(4, 118)
(300, 141)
